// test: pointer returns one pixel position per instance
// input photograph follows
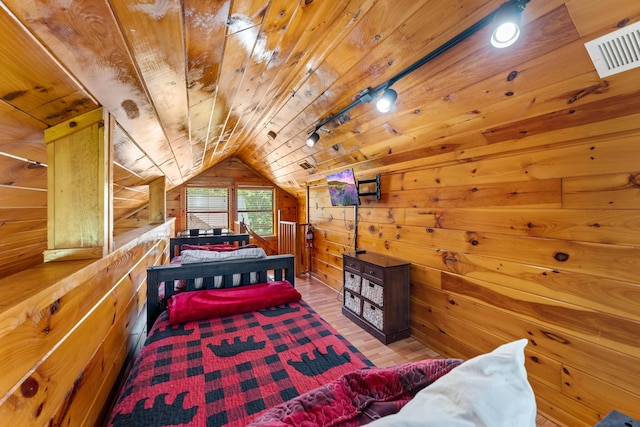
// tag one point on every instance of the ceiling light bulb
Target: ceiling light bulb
(506, 25)
(387, 100)
(312, 139)
(505, 35)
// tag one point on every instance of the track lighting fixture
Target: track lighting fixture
(502, 36)
(506, 25)
(386, 101)
(313, 138)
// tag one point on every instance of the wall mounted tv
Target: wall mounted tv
(343, 189)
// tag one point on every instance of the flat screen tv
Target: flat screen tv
(343, 189)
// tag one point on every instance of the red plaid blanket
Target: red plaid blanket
(226, 371)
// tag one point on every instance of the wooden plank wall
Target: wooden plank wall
(23, 206)
(540, 242)
(64, 358)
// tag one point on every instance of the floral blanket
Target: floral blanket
(358, 397)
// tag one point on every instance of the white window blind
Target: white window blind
(207, 208)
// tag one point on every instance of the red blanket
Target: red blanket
(358, 397)
(207, 303)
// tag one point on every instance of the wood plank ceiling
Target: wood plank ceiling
(194, 82)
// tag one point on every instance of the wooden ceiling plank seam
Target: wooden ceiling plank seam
(552, 96)
(284, 139)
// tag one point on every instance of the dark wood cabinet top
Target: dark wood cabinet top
(377, 259)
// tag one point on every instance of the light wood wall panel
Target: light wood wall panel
(70, 360)
(23, 214)
(541, 243)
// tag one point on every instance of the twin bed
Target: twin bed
(232, 343)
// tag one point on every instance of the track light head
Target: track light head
(386, 101)
(312, 139)
(506, 24)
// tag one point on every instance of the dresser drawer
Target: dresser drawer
(352, 281)
(372, 292)
(353, 302)
(373, 315)
(373, 272)
(352, 265)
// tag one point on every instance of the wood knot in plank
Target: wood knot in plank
(595, 89)
(54, 307)
(13, 95)
(561, 256)
(29, 387)
(556, 338)
(131, 108)
(623, 23)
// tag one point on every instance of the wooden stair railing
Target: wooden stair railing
(291, 241)
(260, 241)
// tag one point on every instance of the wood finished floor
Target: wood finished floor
(328, 303)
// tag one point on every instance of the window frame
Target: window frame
(233, 189)
(271, 188)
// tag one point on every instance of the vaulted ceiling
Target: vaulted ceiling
(194, 82)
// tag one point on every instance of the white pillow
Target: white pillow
(194, 256)
(489, 390)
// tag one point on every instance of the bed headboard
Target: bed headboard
(281, 267)
(232, 239)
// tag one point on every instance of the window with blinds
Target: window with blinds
(207, 208)
(255, 208)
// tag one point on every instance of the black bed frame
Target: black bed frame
(282, 267)
(232, 239)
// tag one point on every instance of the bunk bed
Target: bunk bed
(254, 353)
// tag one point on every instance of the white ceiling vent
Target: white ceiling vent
(617, 51)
